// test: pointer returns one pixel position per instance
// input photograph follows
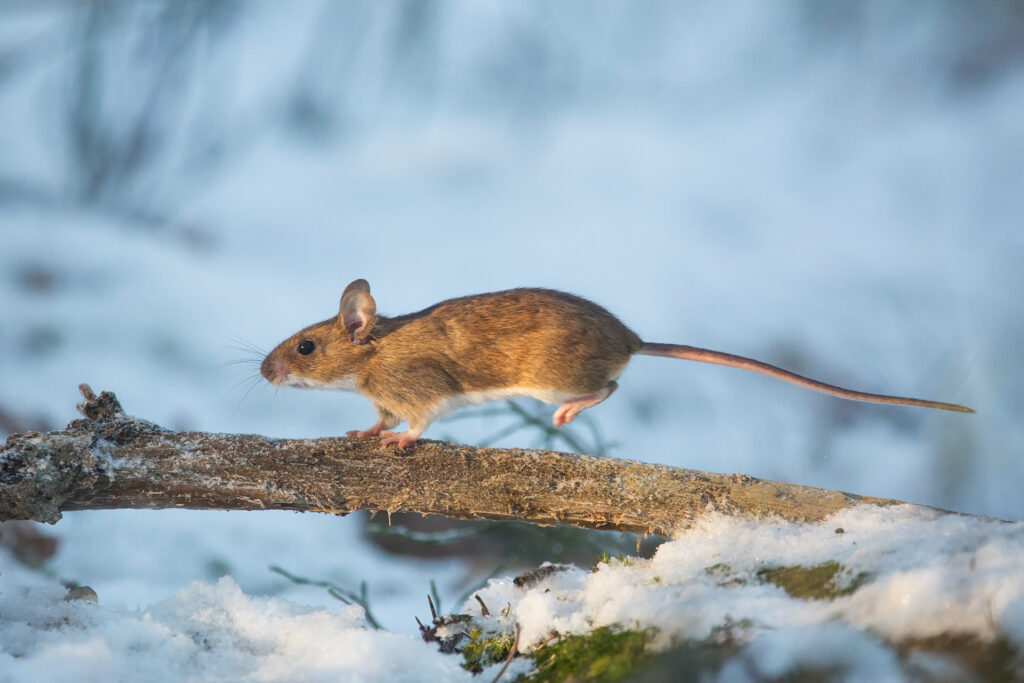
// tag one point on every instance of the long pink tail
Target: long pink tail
(719, 358)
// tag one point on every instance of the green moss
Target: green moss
(479, 651)
(686, 661)
(601, 655)
(821, 582)
(618, 561)
(994, 660)
(723, 574)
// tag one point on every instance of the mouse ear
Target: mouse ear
(357, 285)
(358, 312)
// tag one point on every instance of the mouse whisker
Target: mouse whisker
(239, 344)
(254, 353)
(239, 361)
(252, 382)
(246, 381)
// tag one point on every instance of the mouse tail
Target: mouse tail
(718, 358)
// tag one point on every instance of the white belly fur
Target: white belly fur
(346, 383)
(452, 403)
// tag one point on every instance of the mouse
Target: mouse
(549, 345)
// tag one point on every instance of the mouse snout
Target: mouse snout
(274, 371)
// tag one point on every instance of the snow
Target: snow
(829, 647)
(205, 632)
(140, 557)
(929, 574)
(835, 191)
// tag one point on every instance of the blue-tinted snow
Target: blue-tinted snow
(839, 192)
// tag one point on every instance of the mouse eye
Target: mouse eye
(306, 347)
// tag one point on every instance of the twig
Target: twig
(552, 636)
(336, 592)
(433, 612)
(484, 612)
(511, 654)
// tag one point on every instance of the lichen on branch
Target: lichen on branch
(112, 460)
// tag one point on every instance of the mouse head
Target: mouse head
(329, 354)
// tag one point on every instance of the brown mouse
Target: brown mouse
(549, 345)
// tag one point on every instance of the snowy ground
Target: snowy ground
(836, 194)
(921, 574)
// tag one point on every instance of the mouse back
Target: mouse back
(535, 338)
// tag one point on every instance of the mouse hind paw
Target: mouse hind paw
(570, 409)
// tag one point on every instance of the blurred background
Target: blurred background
(836, 188)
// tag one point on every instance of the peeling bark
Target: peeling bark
(111, 460)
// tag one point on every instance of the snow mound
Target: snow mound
(207, 632)
(871, 578)
(852, 594)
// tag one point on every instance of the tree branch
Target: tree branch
(111, 460)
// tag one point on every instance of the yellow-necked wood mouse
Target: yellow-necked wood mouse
(549, 345)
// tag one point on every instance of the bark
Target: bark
(111, 460)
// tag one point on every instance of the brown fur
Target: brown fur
(413, 367)
(516, 338)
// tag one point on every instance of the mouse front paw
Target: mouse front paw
(372, 431)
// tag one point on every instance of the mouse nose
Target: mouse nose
(270, 370)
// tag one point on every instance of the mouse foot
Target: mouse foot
(375, 430)
(565, 414)
(403, 439)
(570, 409)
